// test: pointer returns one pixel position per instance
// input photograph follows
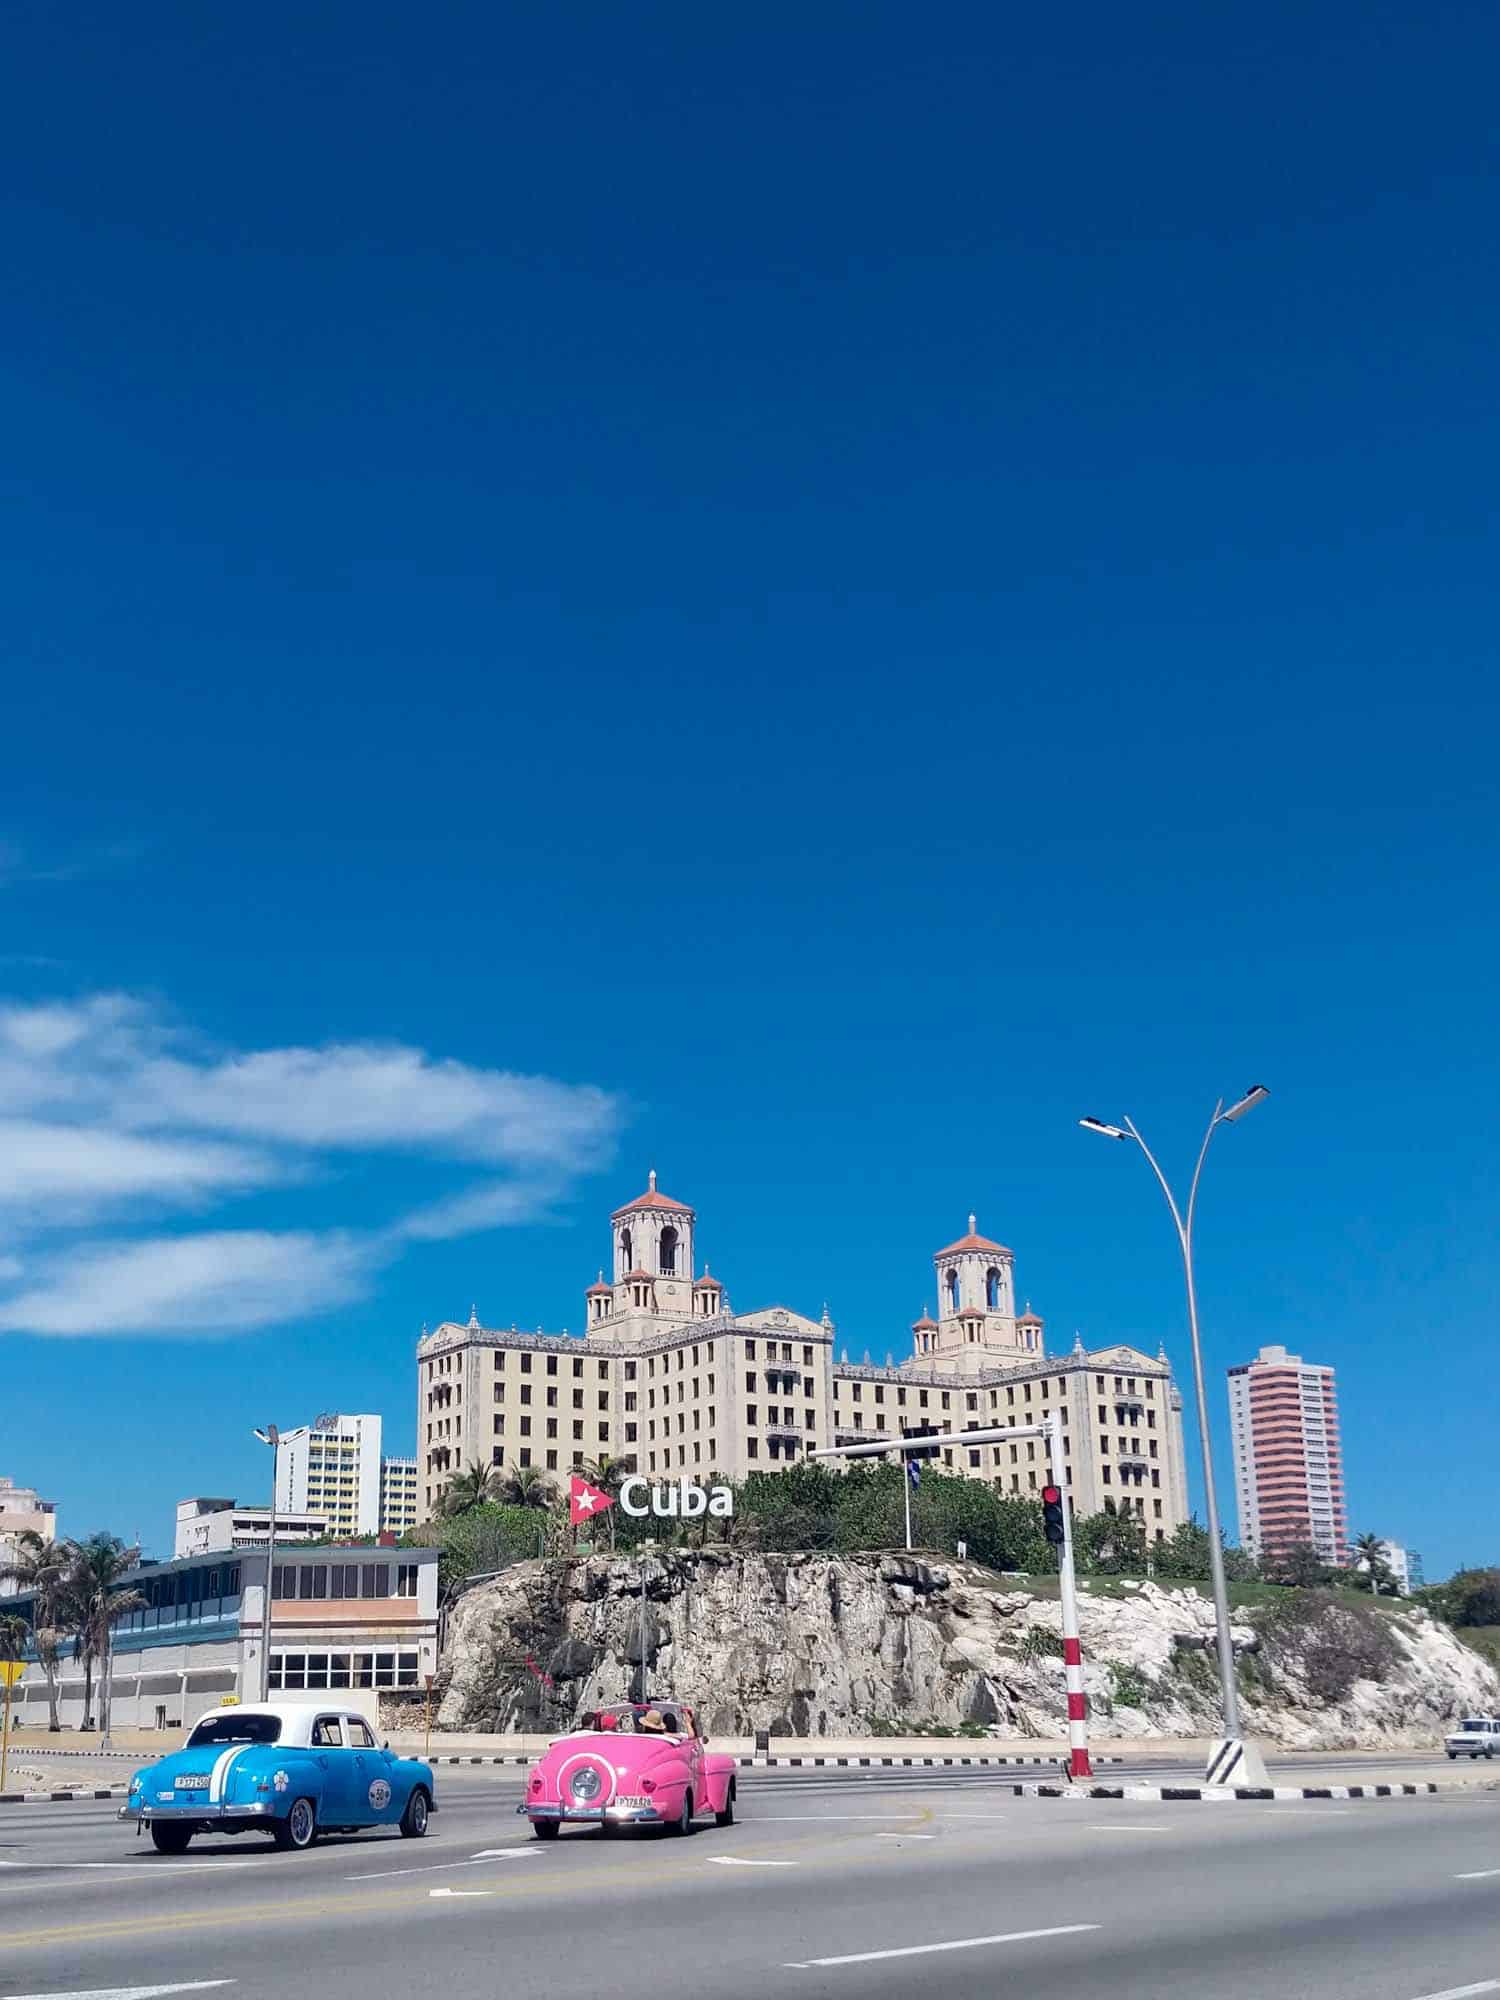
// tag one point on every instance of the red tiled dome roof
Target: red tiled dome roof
(651, 1199)
(973, 1241)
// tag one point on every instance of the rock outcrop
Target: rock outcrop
(839, 1645)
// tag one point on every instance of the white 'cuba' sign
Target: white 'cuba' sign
(683, 1499)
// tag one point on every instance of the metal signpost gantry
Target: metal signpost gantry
(1058, 1509)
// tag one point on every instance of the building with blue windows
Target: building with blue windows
(341, 1617)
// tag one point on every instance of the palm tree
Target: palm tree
(469, 1488)
(95, 1568)
(39, 1570)
(14, 1633)
(1370, 1550)
(526, 1486)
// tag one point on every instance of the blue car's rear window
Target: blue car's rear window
(231, 1728)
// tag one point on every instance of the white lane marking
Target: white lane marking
(744, 1861)
(458, 1892)
(129, 1992)
(148, 1863)
(822, 1819)
(1463, 1992)
(965, 1815)
(442, 1867)
(954, 1944)
(1310, 1812)
(1474, 1875)
(906, 1836)
(1127, 1829)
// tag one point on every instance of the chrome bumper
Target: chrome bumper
(595, 1815)
(153, 1810)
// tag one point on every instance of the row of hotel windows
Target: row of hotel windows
(342, 1670)
(323, 1581)
(448, 1364)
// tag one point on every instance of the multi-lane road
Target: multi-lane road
(830, 1883)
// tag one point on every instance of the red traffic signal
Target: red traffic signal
(1053, 1525)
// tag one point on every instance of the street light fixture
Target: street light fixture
(271, 1436)
(1246, 1766)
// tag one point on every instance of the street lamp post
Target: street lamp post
(271, 1436)
(1232, 1758)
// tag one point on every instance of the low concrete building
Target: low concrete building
(340, 1618)
(212, 1527)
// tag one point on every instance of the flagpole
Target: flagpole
(906, 1492)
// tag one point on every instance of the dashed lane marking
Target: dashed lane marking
(970, 1944)
(1473, 1875)
(442, 1867)
(1464, 1992)
(129, 1992)
(745, 1861)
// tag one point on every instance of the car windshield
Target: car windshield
(659, 1718)
(1473, 1725)
(232, 1728)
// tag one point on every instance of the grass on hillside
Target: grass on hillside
(1242, 1596)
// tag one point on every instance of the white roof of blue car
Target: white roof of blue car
(296, 1717)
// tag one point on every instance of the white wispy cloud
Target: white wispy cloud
(84, 1169)
(215, 1281)
(112, 1111)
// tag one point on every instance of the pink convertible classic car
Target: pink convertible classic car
(636, 1764)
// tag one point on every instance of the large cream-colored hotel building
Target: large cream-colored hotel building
(668, 1376)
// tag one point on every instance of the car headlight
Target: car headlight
(586, 1783)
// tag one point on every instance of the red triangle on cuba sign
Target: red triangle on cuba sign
(585, 1501)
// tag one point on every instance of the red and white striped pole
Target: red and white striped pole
(1078, 1728)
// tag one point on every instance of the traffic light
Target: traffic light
(914, 1450)
(1053, 1525)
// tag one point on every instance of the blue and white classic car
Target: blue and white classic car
(293, 1770)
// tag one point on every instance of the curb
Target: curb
(1220, 1794)
(56, 1798)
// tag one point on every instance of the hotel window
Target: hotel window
(551, 1364)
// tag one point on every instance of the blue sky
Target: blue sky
(794, 599)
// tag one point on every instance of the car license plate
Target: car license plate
(632, 1799)
(191, 1781)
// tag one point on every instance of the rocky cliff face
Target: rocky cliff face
(832, 1645)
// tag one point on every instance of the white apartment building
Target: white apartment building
(210, 1527)
(332, 1467)
(22, 1512)
(398, 1495)
(668, 1376)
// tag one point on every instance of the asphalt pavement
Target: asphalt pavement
(837, 1883)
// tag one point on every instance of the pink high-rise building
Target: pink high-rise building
(1288, 1467)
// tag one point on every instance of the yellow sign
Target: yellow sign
(11, 1671)
(229, 1701)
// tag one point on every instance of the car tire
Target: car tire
(726, 1817)
(414, 1819)
(300, 1827)
(546, 1829)
(683, 1824)
(1452, 1756)
(169, 1839)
